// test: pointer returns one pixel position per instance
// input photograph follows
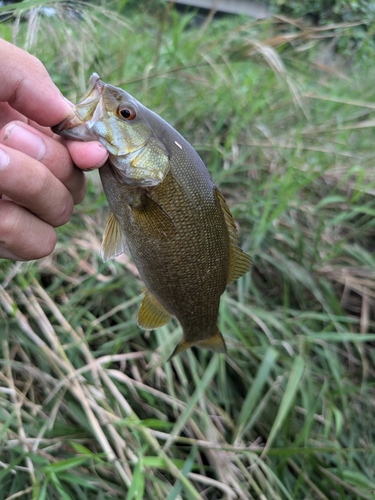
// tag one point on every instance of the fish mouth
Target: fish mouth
(71, 128)
(95, 83)
(78, 125)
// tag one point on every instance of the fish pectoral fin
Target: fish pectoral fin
(214, 343)
(114, 242)
(240, 262)
(153, 217)
(152, 314)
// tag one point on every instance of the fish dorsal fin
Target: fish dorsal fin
(114, 242)
(214, 343)
(240, 262)
(152, 314)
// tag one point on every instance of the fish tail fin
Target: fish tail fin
(214, 343)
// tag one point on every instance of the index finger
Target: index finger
(26, 85)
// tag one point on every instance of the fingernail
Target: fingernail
(104, 152)
(4, 159)
(24, 140)
(68, 102)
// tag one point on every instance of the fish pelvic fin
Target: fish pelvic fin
(114, 242)
(214, 343)
(240, 263)
(152, 314)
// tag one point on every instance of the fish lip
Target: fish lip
(74, 128)
(95, 82)
(62, 129)
(95, 90)
(77, 126)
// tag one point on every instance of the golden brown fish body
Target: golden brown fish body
(168, 211)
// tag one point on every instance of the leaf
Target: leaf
(198, 393)
(137, 486)
(255, 392)
(185, 471)
(287, 401)
(63, 465)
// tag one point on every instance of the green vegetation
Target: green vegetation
(327, 11)
(88, 406)
(359, 16)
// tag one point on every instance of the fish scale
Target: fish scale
(166, 209)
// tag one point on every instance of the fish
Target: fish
(165, 209)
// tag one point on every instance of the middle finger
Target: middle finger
(49, 152)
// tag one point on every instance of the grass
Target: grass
(89, 408)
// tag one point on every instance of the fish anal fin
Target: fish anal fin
(114, 242)
(240, 262)
(152, 314)
(214, 343)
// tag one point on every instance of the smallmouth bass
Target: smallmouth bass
(166, 209)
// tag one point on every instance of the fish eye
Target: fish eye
(126, 112)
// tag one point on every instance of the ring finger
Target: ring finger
(30, 184)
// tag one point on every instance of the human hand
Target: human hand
(39, 178)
